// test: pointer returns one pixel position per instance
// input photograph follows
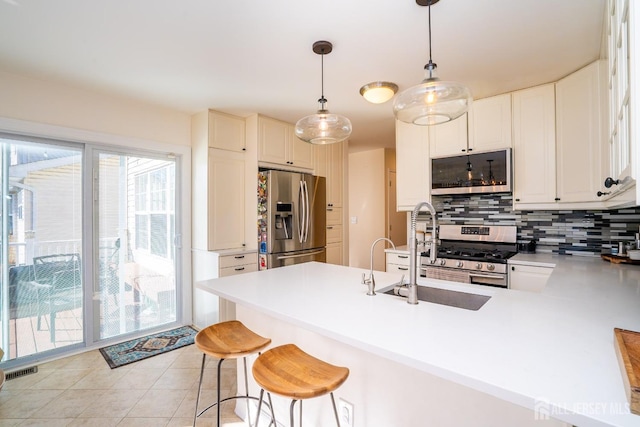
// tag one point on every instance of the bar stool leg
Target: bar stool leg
(293, 402)
(335, 410)
(195, 415)
(218, 384)
(246, 392)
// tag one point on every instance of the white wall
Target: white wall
(35, 100)
(367, 203)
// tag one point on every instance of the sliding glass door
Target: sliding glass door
(87, 248)
(136, 231)
(41, 246)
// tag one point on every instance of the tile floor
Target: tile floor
(82, 390)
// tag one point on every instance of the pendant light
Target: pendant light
(323, 127)
(433, 101)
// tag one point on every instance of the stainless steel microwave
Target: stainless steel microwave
(486, 172)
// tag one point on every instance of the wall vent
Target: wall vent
(21, 373)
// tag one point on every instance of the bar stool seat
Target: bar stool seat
(227, 340)
(290, 372)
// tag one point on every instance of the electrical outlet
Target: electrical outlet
(345, 413)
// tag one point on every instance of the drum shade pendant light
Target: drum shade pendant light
(323, 127)
(433, 101)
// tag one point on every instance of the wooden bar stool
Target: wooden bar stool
(290, 372)
(227, 340)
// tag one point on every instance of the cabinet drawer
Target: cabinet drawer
(401, 259)
(334, 233)
(334, 215)
(239, 269)
(392, 268)
(238, 259)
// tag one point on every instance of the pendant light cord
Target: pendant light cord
(323, 101)
(430, 32)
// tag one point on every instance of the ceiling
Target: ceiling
(243, 57)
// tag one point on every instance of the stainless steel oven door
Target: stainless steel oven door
(465, 276)
(488, 279)
(442, 273)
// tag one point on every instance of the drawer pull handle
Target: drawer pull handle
(403, 256)
(329, 228)
(239, 268)
(403, 268)
(239, 257)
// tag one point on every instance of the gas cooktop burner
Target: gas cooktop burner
(475, 255)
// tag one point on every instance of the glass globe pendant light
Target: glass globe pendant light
(323, 127)
(433, 101)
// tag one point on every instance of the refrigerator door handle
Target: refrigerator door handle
(306, 193)
(302, 212)
(300, 255)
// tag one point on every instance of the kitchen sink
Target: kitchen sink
(457, 299)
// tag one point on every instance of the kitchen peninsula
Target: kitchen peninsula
(523, 359)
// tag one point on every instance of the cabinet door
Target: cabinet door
(528, 278)
(320, 160)
(490, 123)
(580, 147)
(273, 137)
(301, 154)
(226, 132)
(534, 155)
(226, 199)
(335, 174)
(413, 165)
(448, 138)
(334, 253)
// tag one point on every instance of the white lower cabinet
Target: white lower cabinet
(207, 307)
(528, 277)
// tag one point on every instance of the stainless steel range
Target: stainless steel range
(474, 254)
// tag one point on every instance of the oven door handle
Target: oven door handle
(486, 276)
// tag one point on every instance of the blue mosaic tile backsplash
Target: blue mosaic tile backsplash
(585, 233)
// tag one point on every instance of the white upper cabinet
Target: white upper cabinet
(413, 165)
(581, 147)
(448, 139)
(226, 132)
(277, 144)
(490, 123)
(534, 148)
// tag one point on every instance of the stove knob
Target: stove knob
(443, 261)
(479, 266)
(491, 267)
(459, 264)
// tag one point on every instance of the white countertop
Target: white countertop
(525, 348)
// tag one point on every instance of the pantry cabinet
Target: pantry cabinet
(329, 162)
(413, 165)
(278, 145)
(219, 182)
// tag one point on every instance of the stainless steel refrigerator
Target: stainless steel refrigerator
(292, 218)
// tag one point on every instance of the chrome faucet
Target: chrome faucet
(371, 282)
(413, 265)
